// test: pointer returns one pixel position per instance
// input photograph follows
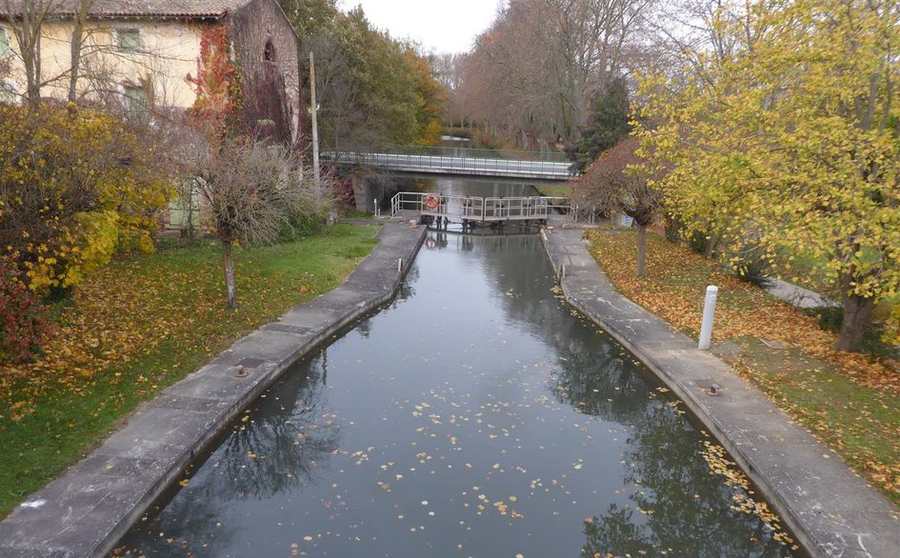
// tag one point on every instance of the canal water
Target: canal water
(475, 187)
(476, 416)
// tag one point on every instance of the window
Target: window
(8, 93)
(4, 42)
(128, 40)
(136, 103)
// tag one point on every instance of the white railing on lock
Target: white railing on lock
(463, 207)
(480, 209)
(519, 208)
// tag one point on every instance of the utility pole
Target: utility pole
(315, 119)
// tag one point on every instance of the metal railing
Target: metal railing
(471, 208)
(448, 164)
(461, 207)
(455, 151)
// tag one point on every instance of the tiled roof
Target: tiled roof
(139, 8)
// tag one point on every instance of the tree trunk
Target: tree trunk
(857, 318)
(75, 57)
(712, 242)
(31, 59)
(641, 250)
(230, 285)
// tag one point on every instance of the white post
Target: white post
(314, 109)
(399, 265)
(709, 314)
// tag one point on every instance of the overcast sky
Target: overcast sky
(438, 25)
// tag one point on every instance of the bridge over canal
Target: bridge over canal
(456, 161)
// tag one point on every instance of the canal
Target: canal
(464, 186)
(476, 416)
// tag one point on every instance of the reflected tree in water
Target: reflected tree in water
(674, 497)
(617, 534)
(291, 436)
(665, 476)
(600, 382)
(289, 439)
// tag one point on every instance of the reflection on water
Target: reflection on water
(477, 416)
(463, 186)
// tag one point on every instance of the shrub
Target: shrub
(751, 265)
(23, 326)
(300, 225)
(75, 186)
(698, 242)
(829, 318)
(309, 211)
(254, 192)
(342, 192)
(673, 229)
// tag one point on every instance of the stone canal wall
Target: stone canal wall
(84, 512)
(832, 510)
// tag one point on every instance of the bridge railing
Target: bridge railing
(456, 152)
(453, 165)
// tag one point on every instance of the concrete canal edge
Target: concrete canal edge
(832, 510)
(89, 508)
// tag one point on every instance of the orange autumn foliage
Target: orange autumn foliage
(670, 291)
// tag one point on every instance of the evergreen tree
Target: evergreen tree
(608, 123)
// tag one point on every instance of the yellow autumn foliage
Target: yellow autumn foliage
(790, 142)
(892, 331)
(76, 186)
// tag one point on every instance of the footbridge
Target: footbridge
(473, 211)
(456, 161)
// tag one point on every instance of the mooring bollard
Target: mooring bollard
(709, 314)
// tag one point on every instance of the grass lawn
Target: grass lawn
(554, 190)
(139, 325)
(850, 402)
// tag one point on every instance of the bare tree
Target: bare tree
(79, 32)
(615, 183)
(533, 73)
(27, 19)
(449, 71)
(585, 40)
(690, 36)
(251, 190)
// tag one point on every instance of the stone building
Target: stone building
(146, 54)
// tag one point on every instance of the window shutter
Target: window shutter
(129, 40)
(4, 41)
